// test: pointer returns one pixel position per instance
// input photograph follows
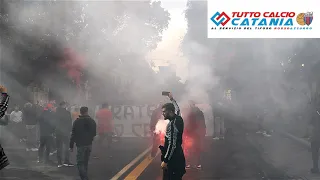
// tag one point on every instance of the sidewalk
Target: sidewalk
(286, 152)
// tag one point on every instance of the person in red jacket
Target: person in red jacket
(105, 126)
(195, 130)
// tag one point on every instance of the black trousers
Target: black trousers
(45, 147)
(176, 166)
(170, 174)
(315, 146)
(62, 143)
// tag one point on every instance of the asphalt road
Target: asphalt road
(24, 165)
(233, 158)
(242, 155)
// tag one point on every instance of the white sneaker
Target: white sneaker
(188, 166)
(215, 138)
(34, 149)
(54, 152)
(60, 165)
(199, 166)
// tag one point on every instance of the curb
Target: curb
(299, 140)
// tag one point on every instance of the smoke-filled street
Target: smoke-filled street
(243, 155)
(113, 90)
(248, 155)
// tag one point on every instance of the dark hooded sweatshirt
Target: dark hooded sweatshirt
(47, 123)
(83, 131)
(63, 122)
(29, 116)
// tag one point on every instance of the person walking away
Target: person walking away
(47, 128)
(4, 162)
(218, 121)
(17, 125)
(63, 130)
(30, 120)
(53, 146)
(155, 117)
(105, 129)
(196, 131)
(83, 133)
(173, 160)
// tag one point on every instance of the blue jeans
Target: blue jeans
(83, 154)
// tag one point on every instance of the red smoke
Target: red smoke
(161, 130)
(74, 64)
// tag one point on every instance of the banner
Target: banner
(134, 121)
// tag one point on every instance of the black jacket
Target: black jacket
(173, 152)
(47, 123)
(83, 131)
(29, 116)
(63, 122)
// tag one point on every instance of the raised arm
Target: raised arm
(174, 102)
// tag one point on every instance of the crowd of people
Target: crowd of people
(49, 129)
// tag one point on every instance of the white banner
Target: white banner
(134, 121)
(263, 19)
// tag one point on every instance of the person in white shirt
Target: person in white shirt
(16, 124)
(16, 115)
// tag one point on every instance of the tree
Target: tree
(36, 33)
(252, 67)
